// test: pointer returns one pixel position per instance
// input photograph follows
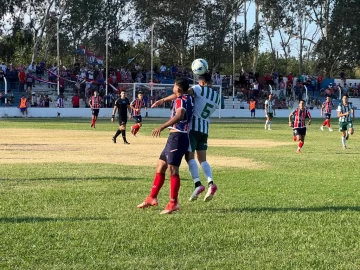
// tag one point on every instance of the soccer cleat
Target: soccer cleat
(322, 128)
(148, 202)
(298, 151)
(197, 191)
(269, 128)
(126, 142)
(210, 193)
(344, 147)
(114, 139)
(330, 129)
(170, 207)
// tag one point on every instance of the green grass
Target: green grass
(301, 212)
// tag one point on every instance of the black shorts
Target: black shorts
(175, 148)
(122, 120)
(95, 112)
(137, 118)
(300, 131)
(327, 115)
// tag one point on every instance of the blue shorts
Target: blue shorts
(137, 118)
(175, 148)
(23, 109)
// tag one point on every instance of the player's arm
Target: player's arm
(161, 101)
(266, 108)
(132, 105)
(353, 113)
(113, 113)
(180, 113)
(321, 110)
(340, 113)
(309, 117)
(290, 118)
(129, 110)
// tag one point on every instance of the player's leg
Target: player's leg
(206, 168)
(270, 122)
(158, 182)
(96, 113)
(351, 129)
(193, 166)
(137, 126)
(329, 122)
(345, 136)
(179, 141)
(123, 133)
(267, 121)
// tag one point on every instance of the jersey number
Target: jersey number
(206, 111)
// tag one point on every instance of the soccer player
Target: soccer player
(95, 104)
(122, 105)
(269, 112)
(206, 101)
(346, 114)
(297, 120)
(252, 106)
(327, 108)
(136, 106)
(175, 148)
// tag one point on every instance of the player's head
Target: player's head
(205, 79)
(96, 93)
(345, 98)
(270, 96)
(327, 98)
(123, 94)
(181, 86)
(301, 104)
(140, 95)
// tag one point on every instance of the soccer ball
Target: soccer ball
(199, 66)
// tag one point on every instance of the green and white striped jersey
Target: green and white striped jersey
(206, 101)
(269, 104)
(343, 109)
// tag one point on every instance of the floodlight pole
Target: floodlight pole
(152, 53)
(58, 55)
(233, 47)
(106, 64)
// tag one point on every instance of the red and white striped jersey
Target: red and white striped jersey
(299, 117)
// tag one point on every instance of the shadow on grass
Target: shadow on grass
(45, 219)
(291, 209)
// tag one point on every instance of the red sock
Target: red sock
(158, 183)
(92, 122)
(301, 144)
(174, 187)
(329, 123)
(137, 128)
(325, 122)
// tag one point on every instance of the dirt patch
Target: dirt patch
(92, 146)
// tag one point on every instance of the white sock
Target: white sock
(194, 170)
(270, 124)
(343, 139)
(266, 124)
(207, 171)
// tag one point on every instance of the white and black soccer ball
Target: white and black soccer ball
(199, 66)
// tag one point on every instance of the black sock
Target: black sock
(117, 133)
(123, 135)
(197, 184)
(211, 183)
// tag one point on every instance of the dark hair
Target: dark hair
(301, 100)
(123, 91)
(140, 92)
(205, 77)
(182, 83)
(346, 95)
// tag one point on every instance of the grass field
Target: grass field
(68, 199)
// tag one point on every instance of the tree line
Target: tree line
(302, 36)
